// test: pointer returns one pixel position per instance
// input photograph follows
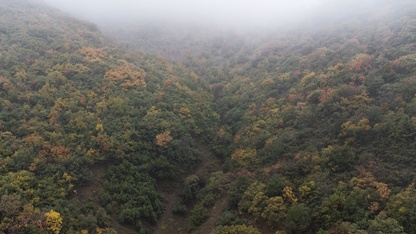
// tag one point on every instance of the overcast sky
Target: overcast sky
(226, 12)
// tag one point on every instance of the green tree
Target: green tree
(236, 229)
(275, 212)
(298, 219)
(249, 195)
(402, 207)
(383, 224)
(198, 216)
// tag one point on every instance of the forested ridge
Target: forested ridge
(315, 126)
(69, 101)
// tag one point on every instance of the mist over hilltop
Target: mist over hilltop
(229, 13)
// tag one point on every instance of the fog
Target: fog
(229, 13)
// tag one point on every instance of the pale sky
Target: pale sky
(226, 12)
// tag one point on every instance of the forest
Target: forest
(155, 129)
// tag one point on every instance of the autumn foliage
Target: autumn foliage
(163, 138)
(307, 130)
(127, 76)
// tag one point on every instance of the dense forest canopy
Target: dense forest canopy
(164, 128)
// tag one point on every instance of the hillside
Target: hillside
(163, 129)
(318, 124)
(87, 130)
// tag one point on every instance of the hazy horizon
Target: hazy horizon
(228, 13)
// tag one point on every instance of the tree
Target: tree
(275, 186)
(236, 229)
(298, 219)
(289, 195)
(198, 216)
(244, 156)
(10, 205)
(249, 195)
(274, 212)
(191, 185)
(402, 207)
(53, 222)
(218, 183)
(30, 220)
(383, 224)
(340, 159)
(163, 139)
(258, 204)
(127, 76)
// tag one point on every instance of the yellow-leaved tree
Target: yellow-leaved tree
(127, 76)
(163, 138)
(53, 222)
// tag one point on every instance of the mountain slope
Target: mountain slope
(316, 126)
(317, 123)
(71, 102)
